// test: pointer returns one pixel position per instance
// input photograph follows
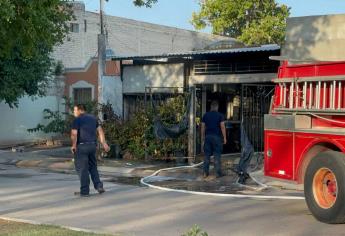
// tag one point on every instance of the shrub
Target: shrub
(60, 121)
(57, 123)
(136, 136)
(195, 231)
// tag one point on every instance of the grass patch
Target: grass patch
(10, 228)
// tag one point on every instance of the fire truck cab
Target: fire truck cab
(305, 135)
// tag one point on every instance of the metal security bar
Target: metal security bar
(207, 67)
(256, 101)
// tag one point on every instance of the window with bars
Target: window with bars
(212, 67)
(82, 95)
(74, 27)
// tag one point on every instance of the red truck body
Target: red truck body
(307, 117)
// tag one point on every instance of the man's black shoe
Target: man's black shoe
(81, 195)
(101, 190)
(243, 178)
(205, 175)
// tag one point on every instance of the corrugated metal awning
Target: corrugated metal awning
(263, 48)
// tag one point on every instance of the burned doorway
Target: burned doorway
(228, 97)
(242, 105)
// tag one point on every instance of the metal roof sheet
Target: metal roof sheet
(263, 48)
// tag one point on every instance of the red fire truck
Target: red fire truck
(305, 135)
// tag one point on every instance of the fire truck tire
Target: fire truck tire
(324, 187)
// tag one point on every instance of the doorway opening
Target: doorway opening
(243, 105)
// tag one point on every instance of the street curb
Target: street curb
(104, 170)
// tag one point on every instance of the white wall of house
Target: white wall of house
(15, 121)
(136, 78)
(112, 93)
(125, 37)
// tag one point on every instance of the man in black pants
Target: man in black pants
(84, 142)
(214, 136)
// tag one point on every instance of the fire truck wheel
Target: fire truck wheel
(324, 187)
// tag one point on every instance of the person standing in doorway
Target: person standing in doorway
(84, 142)
(214, 136)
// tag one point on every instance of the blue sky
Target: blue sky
(177, 13)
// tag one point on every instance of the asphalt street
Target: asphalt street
(29, 194)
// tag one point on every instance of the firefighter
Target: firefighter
(84, 142)
(214, 135)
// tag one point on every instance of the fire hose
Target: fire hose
(144, 182)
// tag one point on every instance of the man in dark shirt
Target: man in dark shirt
(84, 142)
(214, 136)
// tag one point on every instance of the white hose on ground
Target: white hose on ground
(143, 182)
(263, 186)
(258, 182)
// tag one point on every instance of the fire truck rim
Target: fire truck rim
(325, 188)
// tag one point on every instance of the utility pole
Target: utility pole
(191, 126)
(101, 58)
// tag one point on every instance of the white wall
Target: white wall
(319, 38)
(112, 92)
(126, 37)
(15, 121)
(136, 78)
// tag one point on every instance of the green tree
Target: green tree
(146, 3)
(253, 22)
(28, 32)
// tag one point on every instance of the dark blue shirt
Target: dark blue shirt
(212, 122)
(86, 125)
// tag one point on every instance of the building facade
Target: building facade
(240, 79)
(124, 37)
(78, 53)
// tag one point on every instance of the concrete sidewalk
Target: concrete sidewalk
(61, 160)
